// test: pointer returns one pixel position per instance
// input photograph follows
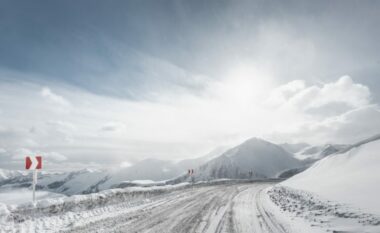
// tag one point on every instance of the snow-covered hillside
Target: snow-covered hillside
(351, 177)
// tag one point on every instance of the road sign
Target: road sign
(33, 162)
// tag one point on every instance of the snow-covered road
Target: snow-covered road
(219, 208)
(223, 206)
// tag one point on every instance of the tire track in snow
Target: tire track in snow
(268, 219)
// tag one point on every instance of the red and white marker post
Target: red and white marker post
(33, 163)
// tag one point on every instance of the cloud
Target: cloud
(112, 126)
(125, 164)
(282, 94)
(349, 127)
(54, 156)
(327, 99)
(336, 112)
(21, 153)
(53, 97)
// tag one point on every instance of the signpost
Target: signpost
(33, 163)
(190, 172)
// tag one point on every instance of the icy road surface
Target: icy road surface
(219, 208)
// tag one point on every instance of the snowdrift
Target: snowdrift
(352, 177)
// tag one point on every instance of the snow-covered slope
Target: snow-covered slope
(253, 158)
(352, 177)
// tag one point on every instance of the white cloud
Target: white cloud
(343, 91)
(349, 127)
(328, 99)
(112, 126)
(52, 97)
(282, 94)
(54, 156)
(125, 164)
(21, 153)
(335, 112)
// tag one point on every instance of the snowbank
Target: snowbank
(352, 177)
(83, 202)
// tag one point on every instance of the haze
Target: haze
(112, 83)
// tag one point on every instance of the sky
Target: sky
(109, 83)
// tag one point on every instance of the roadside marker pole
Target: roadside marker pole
(33, 163)
(34, 185)
(190, 173)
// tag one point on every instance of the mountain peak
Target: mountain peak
(256, 140)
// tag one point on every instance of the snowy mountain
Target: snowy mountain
(92, 180)
(348, 177)
(148, 169)
(82, 181)
(7, 174)
(313, 153)
(255, 158)
(309, 155)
